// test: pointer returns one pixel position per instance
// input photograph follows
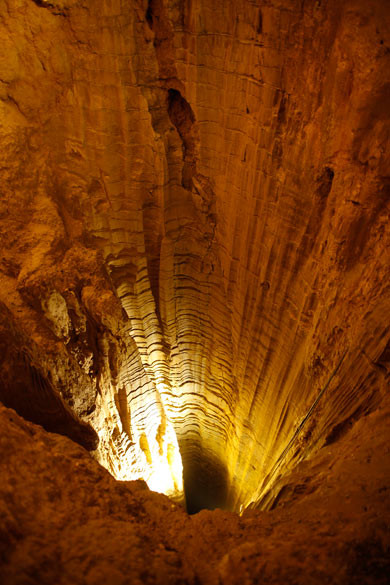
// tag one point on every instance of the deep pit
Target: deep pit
(205, 484)
(194, 244)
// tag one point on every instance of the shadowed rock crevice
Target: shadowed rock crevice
(182, 117)
(24, 388)
(206, 482)
(56, 8)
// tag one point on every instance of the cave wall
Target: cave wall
(195, 230)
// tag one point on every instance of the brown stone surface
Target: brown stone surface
(195, 226)
(195, 239)
(65, 520)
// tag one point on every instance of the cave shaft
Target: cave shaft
(194, 231)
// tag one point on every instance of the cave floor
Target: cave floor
(64, 519)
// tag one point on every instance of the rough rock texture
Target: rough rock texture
(195, 232)
(65, 520)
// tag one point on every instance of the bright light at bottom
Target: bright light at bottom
(166, 470)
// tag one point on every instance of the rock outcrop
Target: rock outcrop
(65, 520)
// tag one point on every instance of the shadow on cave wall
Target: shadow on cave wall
(206, 482)
(25, 388)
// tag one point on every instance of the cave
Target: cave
(194, 292)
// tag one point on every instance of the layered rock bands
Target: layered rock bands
(195, 232)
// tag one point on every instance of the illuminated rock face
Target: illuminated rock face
(195, 232)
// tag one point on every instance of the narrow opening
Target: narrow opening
(205, 483)
(149, 14)
(181, 114)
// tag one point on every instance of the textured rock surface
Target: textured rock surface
(195, 230)
(64, 519)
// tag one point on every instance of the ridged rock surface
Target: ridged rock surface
(195, 232)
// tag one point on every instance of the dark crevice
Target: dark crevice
(159, 23)
(183, 118)
(30, 391)
(260, 23)
(49, 6)
(181, 114)
(149, 14)
(324, 183)
(384, 358)
(33, 397)
(205, 483)
(282, 110)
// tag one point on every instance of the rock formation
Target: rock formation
(65, 520)
(195, 287)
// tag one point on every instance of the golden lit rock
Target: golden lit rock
(195, 236)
